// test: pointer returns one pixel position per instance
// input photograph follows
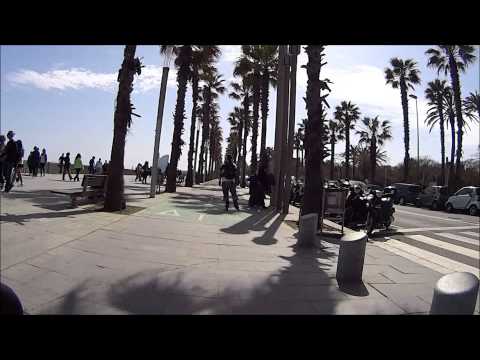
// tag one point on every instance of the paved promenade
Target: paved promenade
(183, 254)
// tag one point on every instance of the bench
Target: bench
(92, 186)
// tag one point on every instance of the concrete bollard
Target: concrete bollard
(455, 294)
(308, 229)
(351, 257)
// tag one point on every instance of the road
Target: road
(442, 241)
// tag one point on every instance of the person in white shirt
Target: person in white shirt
(98, 167)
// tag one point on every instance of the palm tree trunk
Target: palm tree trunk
(114, 199)
(178, 116)
(189, 178)
(313, 134)
(442, 146)
(206, 122)
(373, 161)
(451, 171)
(332, 158)
(458, 112)
(256, 103)
(196, 153)
(406, 129)
(264, 104)
(246, 108)
(347, 148)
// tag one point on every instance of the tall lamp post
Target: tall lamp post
(158, 130)
(293, 52)
(418, 138)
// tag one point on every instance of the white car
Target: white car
(467, 198)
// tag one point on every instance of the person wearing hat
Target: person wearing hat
(35, 160)
(11, 158)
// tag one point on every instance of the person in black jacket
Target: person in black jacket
(229, 181)
(66, 167)
(35, 161)
(11, 158)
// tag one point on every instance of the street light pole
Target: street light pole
(294, 50)
(418, 138)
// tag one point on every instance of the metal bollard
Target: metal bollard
(351, 257)
(308, 229)
(455, 294)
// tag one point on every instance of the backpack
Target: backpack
(20, 151)
(229, 171)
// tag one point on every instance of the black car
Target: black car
(433, 196)
(406, 193)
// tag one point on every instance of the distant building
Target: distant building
(163, 162)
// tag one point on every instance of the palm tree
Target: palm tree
(183, 62)
(233, 139)
(296, 146)
(242, 91)
(449, 106)
(202, 56)
(335, 133)
(315, 130)
(347, 114)
(122, 120)
(301, 132)
(403, 74)
(213, 86)
(435, 94)
(268, 58)
(471, 104)
(374, 135)
(453, 59)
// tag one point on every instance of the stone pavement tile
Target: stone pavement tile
(409, 297)
(376, 306)
(398, 277)
(22, 273)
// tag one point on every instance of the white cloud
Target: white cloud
(77, 78)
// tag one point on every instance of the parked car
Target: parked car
(433, 196)
(377, 188)
(406, 193)
(465, 199)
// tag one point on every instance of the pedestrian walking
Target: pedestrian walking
(98, 167)
(11, 159)
(61, 160)
(91, 165)
(77, 166)
(35, 160)
(43, 162)
(66, 167)
(138, 172)
(229, 180)
(145, 170)
(19, 165)
(30, 163)
(3, 140)
(105, 168)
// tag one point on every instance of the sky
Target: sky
(61, 98)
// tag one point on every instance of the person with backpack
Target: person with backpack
(91, 165)
(19, 165)
(11, 159)
(43, 162)
(229, 180)
(61, 159)
(66, 167)
(78, 166)
(35, 160)
(3, 139)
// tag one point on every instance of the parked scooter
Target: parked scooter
(380, 211)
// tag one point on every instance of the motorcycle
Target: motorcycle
(380, 212)
(296, 193)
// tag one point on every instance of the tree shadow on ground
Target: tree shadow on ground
(21, 219)
(305, 279)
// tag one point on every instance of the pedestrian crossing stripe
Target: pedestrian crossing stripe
(458, 238)
(474, 254)
(471, 233)
(445, 228)
(429, 259)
